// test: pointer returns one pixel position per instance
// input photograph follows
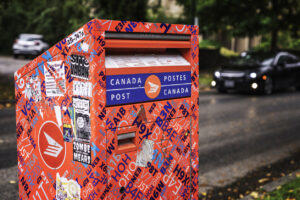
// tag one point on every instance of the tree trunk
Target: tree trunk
(274, 38)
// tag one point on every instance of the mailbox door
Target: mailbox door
(158, 166)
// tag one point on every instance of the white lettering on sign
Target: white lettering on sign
(120, 96)
(178, 77)
(175, 91)
(82, 88)
(125, 81)
(75, 37)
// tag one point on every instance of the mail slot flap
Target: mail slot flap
(145, 63)
(134, 114)
(153, 44)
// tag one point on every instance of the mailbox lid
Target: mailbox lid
(118, 64)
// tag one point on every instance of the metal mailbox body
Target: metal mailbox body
(89, 131)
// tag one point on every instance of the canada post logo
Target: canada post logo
(152, 86)
(51, 145)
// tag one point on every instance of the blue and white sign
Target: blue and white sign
(134, 88)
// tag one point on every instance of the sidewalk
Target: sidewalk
(272, 186)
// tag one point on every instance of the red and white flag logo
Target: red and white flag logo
(51, 145)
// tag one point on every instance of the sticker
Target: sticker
(82, 121)
(82, 88)
(84, 46)
(67, 133)
(145, 155)
(79, 67)
(67, 189)
(134, 88)
(75, 37)
(55, 82)
(51, 145)
(33, 88)
(82, 152)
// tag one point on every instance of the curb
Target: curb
(274, 184)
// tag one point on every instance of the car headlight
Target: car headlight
(217, 74)
(253, 75)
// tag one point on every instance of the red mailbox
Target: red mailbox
(111, 112)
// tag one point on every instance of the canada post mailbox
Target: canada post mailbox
(111, 112)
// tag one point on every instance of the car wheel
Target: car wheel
(15, 56)
(298, 88)
(268, 86)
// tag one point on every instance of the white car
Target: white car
(29, 44)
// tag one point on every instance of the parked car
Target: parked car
(29, 44)
(263, 72)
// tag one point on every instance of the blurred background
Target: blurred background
(246, 140)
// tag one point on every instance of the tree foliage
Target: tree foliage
(120, 10)
(54, 19)
(248, 17)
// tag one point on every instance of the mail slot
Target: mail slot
(111, 112)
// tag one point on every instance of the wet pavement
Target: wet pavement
(238, 134)
(8, 65)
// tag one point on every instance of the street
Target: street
(238, 133)
(9, 65)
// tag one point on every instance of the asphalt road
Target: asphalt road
(8, 65)
(238, 133)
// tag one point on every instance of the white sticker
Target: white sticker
(33, 88)
(67, 189)
(82, 88)
(145, 155)
(84, 46)
(82, 122)
(75, 37)
(55, 82)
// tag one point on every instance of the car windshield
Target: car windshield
(251, 59)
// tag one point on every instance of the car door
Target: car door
(293, 68)
(281, 74)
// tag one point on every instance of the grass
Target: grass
(289, 191)
(205, 79)
(7, 91)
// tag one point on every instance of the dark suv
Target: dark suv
(262, 72)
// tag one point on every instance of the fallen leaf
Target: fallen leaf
(298, 174)
(278, 188)
(254, 195)
(268, 174)
(241, 196)
(263, 180)
(12, 182)
(290, 191)
(203, 193)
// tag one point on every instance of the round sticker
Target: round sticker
(51, 145)
(152, 86)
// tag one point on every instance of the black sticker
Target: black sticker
(79, 67)
(82, 120)
(82, 152)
